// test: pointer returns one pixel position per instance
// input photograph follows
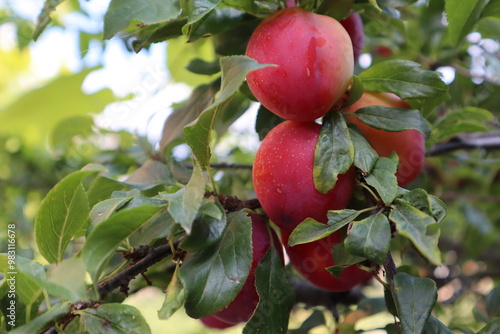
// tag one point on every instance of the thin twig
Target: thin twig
(488, 141)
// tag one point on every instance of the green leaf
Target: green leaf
(213, 276)
(44, 17)
(449, 130)
(121, 13)
(276, 296)
(39, 323)
(310, 230)
(370, 238)
(414, 225)
(393, 119)
(208, 227)
(438, 208)
(174, 298)
(114, 318)
(415, 298)
(26, 274)
(468, 113)
(343, 258)
(65, 280)
(63, 134)
(462, 17)
(200, 66)
(101, 188)
(434, 326)
(197, 134)
(185, 203)
(492, 327)
(201, 97)
(106, 237)
(216, 21)
(383, 178)
(365, 157)
(403, 78)
(355, 91)
(27, 117)
(63, 212)
(151, 174)
(334, 152)
(419, 198)
(266, 121)
(179, 55)
(103, 210)
(493, 303)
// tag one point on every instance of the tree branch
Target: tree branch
(488, 141)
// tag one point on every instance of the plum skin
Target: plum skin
(314, 59)
(283, 177)
(355, 28)
(311, 260)
(213, 322)
(408, 144)
(244, 304)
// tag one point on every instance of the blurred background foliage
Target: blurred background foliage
(56, 121)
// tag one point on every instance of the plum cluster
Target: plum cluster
(313, 59)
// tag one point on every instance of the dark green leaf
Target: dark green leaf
(493, 327)
(383, 178)
(365, 157)
(101, 188)
(414, 225)
(121, 13)
(213, 276)
(215, 22)
(266, 121)
(493, 302)
(276, 296)
(342, 259)
(114, 319)
(207, 228)
(334, 152)
(63, 212)
(44, 17)
(200, 66)
(39, 323)
(355, 91)
(151, 174)
(370, 238)
(106, 237)
(419, 198)
(201, 97)
(197, 134)
(310, 230)
(403, 78)
(174, 298)
(393, 119)
(462, 17)
(415, 298)
(434, 326)
(185, 203)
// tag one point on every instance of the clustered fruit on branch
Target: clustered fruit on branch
(313, 58)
